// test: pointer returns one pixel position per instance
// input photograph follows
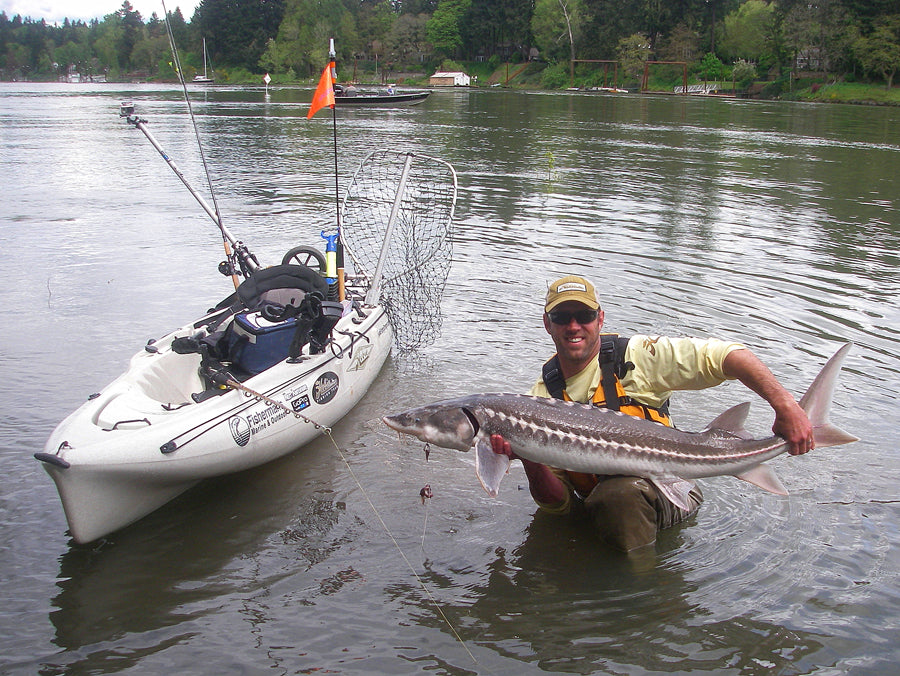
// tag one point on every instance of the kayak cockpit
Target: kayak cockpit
(157, 384)
(277, 311)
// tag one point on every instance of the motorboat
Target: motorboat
(350, 95)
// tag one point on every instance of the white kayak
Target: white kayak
(163, 425)
(273, 366)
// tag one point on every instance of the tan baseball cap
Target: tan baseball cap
(571, 288)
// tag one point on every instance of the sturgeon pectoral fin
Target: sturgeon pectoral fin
(490, 467)
(676, 489)
(764, 477)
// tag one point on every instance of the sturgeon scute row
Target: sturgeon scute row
(585, 438)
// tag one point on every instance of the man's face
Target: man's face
(575, 342)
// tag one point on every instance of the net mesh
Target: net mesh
(406, 200)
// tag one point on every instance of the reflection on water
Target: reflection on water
(586, 599)
(775, 224)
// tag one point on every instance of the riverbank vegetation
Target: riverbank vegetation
(831, 50)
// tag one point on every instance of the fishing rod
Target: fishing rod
(238, 256)
(246, 260)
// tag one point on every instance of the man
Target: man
(635, 376)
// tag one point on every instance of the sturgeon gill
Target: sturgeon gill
(585, 438)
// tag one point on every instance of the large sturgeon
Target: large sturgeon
(584, 438)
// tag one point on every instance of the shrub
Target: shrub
(743, 73)
(555, 76)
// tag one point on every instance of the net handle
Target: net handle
(375, 290)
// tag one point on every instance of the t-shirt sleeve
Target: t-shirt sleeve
(663, 365)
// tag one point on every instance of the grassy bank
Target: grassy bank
(852, 92)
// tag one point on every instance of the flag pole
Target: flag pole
(339, 251)
(334, 258)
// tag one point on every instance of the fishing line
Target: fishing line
(425, 520)
(397, 545)
(425, 493)
(187, 100)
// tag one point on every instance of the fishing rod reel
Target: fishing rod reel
(241, 261)
(126, 110)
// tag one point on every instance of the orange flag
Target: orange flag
(324, 95)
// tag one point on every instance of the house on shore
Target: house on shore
(449, 79)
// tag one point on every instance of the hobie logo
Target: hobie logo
(325, 387)
(360, 359)
(240, 430)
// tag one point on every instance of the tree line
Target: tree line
(745, 39)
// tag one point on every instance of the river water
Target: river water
(777, 224)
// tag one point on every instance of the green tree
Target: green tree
(374, 21)
(748, 31)
(408, 39)
(302, 40)
(106, 45)
(415, 7)
(74, 53)
(712, 67)
(497, 27)
(149, 52)
(818, 36)
(633, 52)
(133, 31)
(682, 44)
(180, 31)
(556, 26)
(879, 52)
(443, 28)
(743, 73)
(237, 31)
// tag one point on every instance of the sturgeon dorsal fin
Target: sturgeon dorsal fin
(732, 421)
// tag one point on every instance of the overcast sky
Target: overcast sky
(54, 11)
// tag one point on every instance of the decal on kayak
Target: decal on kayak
(240, 430)
(301, 403)
(325, 387)
(244, 427)
(295, 392)
(361, 358)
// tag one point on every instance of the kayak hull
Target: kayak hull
(145, 439)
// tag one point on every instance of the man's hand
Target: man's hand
(501, 446)
(792, 423)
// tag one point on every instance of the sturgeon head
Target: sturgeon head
(439, 424)
(455, 424)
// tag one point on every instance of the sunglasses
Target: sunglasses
(564, 317)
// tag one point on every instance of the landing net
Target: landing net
(396, 227)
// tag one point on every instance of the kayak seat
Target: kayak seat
(278, 284)
(258, 324)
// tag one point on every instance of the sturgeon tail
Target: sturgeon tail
(817, 403)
